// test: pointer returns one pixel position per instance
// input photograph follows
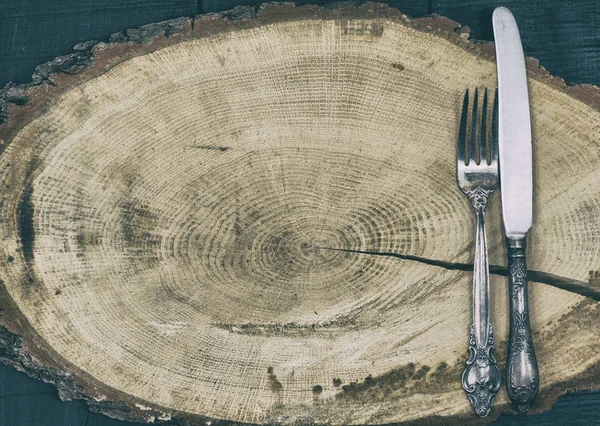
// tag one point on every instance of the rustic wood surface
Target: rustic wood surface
(132, 242)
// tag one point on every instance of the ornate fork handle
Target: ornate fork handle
(522, 376)
(481, 378)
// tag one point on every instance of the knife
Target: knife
(516, 188)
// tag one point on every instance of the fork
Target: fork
(478, 178)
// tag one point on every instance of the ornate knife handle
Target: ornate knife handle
(481, 378)
(522, 376)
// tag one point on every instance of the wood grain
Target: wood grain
(185, 215)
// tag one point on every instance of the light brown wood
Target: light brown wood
(179, 218)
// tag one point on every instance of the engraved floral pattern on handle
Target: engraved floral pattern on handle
(481, 378)
(522, 381)
(478, 177)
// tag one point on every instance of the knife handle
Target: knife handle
(522, 376)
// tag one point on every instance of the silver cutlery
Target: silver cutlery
(514, 143)
(477, 176)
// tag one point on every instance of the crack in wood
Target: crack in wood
(575, 286)
(17, 97)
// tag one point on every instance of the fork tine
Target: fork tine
(483, 129)
(473, 141)
(494, 144)
(462, 132)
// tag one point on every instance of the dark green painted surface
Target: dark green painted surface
(36, 31)
(411, 8)
(564, 35)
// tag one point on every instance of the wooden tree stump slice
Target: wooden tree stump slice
(253, 217)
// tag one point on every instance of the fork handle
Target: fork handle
(481, 378)
(522, 376)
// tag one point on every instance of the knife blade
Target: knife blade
(516, 188)
(514, 126)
